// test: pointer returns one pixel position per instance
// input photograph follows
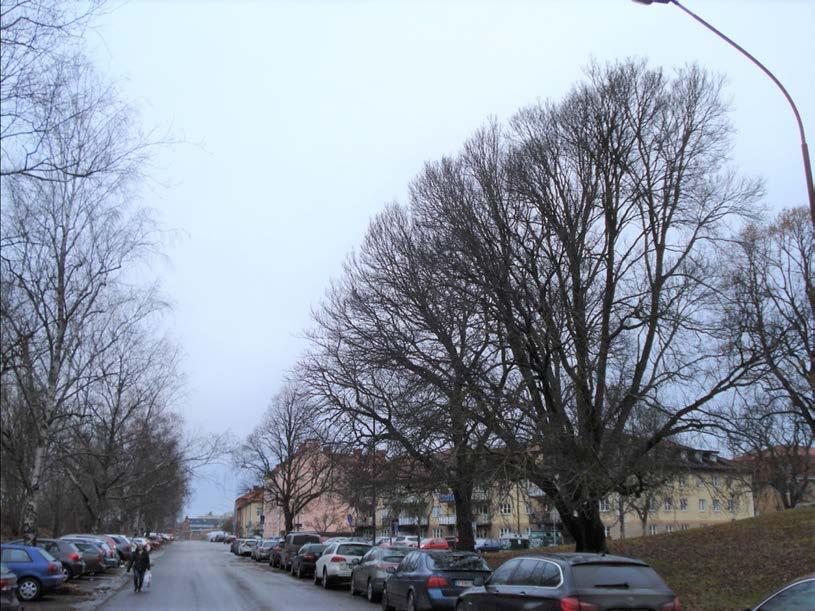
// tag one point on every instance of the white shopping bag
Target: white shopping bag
(148, 578)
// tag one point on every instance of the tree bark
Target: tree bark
(587, 528)
(463, 497)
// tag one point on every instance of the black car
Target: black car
(302, 563)
(798, 595)
(570, 581)
(369, 572)
(294, 541)
(428, 579)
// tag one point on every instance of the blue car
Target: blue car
(37, 571)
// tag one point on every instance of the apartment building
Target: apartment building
(704, 489)
(249, 513)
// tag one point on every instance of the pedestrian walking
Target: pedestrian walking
(139, 562)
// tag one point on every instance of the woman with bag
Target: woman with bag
(140, 563)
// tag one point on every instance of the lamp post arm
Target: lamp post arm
(748, 55)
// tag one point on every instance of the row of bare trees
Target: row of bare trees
(575, 289)
(89, 437)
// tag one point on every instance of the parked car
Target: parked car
(37, 571)
(229, 539)
(124, 547)
(798, 595)
(8, 588)
(429, 579)
(335, 562)
(264, 549)
(302, 563)
(572, 581)
(247, 546)
(370, 572)
(110, 559)
(292, 544)
(67, 554)
(92, 556)
(487, 545)
(434, 543)
(274, 554)
(406, 540)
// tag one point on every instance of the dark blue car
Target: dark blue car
(37, 570)
(429, 579)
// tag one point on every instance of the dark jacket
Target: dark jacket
(140, 559)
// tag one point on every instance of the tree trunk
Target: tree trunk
(463, 497)
(587, 528)
(32, 502)
(288, 518)
(622, 519)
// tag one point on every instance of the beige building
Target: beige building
(705, 490)
(249, 513)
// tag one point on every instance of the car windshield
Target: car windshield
(396, 558)
(617, 576)
(312, 549)
(457, 562)
(353, 549)
(301, 539)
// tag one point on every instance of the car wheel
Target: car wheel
(299, 571)
(386, 606)
(411, 603)
(460, 606)
(315, 578)
(326, 585)
(28, 589)
(369, 592)
(66, 571)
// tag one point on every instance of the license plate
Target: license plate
(464, 583)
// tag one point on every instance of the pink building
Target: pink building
(326, 514)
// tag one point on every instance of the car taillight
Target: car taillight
(53, 567)
(674, 605)
(570, 603)
(337, 559)
(5, 584)
(308, 557)
(435, 581)
(74, 557)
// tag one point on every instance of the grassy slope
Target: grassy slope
(731, 566)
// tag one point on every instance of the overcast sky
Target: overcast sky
(303, 118)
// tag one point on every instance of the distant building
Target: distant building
(249, 515)
(782, 477)
(200, 525)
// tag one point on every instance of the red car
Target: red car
(435, 543)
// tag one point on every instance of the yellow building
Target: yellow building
(249, 517)
(705, 490)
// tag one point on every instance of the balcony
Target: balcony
(412, 520)
(447, 520)
(447, 498)
(534, 491)
(483, 518)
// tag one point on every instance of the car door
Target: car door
(397, 584)
(321, 561)
(359, 574)
(798, 597)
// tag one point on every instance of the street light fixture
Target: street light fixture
(743, 51)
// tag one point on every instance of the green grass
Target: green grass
(730, 566)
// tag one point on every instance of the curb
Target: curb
(97, 603)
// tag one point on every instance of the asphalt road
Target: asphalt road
(203, 575)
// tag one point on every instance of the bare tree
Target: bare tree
(285, 456)
(65, 247)
(772, 308)
(594, 224)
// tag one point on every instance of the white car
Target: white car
(333, 565)
(406, 541)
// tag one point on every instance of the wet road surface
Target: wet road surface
(206, 576)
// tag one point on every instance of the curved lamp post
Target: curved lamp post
(732, 43)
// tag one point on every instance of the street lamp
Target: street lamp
(732, 43)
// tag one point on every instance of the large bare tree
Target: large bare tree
(594, 224)
(286, 456)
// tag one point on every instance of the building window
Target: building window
(652, 504)
(683, 481)
(504, 532)
(436, 511)
(505, 508)
(717, 505)
(652, 529)
(683, 504)
(669, 528)
(607, 530)
(731, 505)
(684, 527)
(437, 533)
(605, 505)
(668, 504)
(715, 480)
(529, 509)
(702, 505)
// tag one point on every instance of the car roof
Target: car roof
(578, 558)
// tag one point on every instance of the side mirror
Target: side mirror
(391, 570)
(354, 561)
